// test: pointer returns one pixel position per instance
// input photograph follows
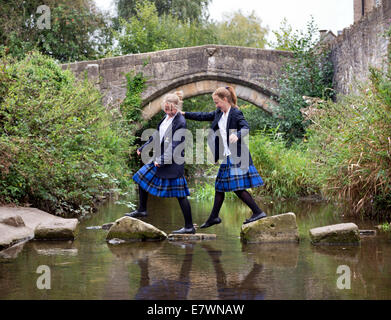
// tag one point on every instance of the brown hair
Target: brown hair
(227, 92)
(175, 99)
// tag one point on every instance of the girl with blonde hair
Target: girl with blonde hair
(162, 176)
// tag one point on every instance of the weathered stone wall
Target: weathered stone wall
(195, 70)
(359, 47)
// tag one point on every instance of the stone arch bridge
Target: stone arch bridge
(194, 70)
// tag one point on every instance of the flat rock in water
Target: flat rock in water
(56, 230)
(191, 237)
(278, 228)
(132, 229)
(18, 224)
(94, 228)
(337, 234)
(368, 232)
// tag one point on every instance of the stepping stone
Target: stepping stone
(278, 228)
(191, 237)
(368, 232)
(64, 229)
(337, 234)
(132, 229)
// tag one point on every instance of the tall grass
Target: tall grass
(350, 142)
(206, 192)
(285, 170)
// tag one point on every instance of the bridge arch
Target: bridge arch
(259, 97)
(195, 70)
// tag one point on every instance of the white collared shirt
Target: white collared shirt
(164, 126)
(223, 130)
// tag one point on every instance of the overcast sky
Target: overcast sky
(328, 14)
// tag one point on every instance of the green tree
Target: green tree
(78, 30)
(195, 10)
(240, 30)
(284, 37)
(309, 73)
(148, 32)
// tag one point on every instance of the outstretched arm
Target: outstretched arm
(200, 116)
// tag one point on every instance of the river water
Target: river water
(90, 268)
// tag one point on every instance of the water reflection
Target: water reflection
(246, 289)
(170, 283)
(12, 252)
(118, 283)
(273, 255)
(54, 248)
(164, 289)
(89, 268)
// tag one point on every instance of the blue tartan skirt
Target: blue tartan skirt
(232, 178)
(168, 188)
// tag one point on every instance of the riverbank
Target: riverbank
(19, 224)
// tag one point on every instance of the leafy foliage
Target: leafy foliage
(59, 148)
(240, 30)
(183, 10)
(132, 121)
(284, 170)
(78, 31)
(148, 32)
(350, 143)
(308, 74)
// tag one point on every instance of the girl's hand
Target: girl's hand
(233, 138)
(138, 152)
(157, 165)
(183, 113)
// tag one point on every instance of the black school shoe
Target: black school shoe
(210, 223)
(185, 231)
(255, 217)
(137, 214)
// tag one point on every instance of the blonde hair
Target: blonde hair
(174, 99)
(227, 92)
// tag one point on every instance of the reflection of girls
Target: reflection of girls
(164, 177)
(245, 290)
(165, 289)
(230, 177)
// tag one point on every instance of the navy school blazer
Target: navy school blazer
(236, 124)
(167, 148)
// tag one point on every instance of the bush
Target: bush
(285, 171)
(59, 148)
(350, 143)
(309, 74)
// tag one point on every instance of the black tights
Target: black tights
(183, 202)
(242, 195)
